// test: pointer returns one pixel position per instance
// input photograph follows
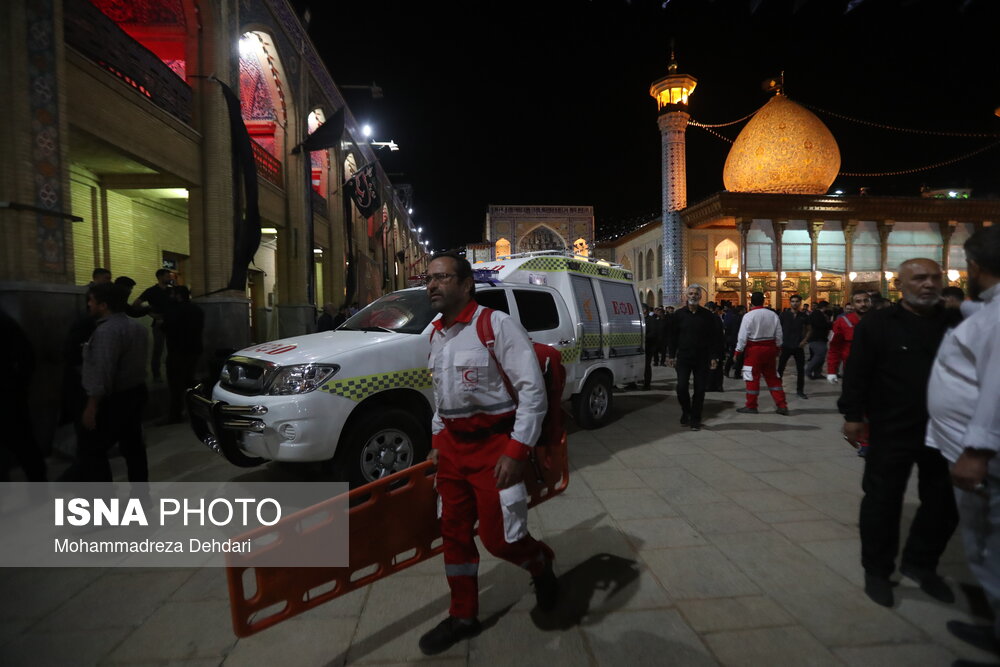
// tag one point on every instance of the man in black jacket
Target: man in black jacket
(885, 381)
(695, 345)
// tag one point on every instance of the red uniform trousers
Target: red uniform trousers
(762, 357)
(467, 487)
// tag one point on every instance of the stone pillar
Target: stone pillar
(779, 229)
(674, 191)
(814, 228)
(210, 207)
(849, 227)
(947, 229)
(743, 225)
(884, 229)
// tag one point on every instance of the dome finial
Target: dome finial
(672, 67)
(775, 85)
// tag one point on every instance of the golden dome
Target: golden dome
(784, 149)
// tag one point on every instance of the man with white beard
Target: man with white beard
(695, 342)
(885, 397)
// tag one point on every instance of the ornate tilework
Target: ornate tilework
(46, 159)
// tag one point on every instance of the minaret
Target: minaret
(671, 93)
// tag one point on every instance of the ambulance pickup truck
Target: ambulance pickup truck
(360, 397)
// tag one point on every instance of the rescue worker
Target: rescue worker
(482, 437)
(843, 334)
(759, 340)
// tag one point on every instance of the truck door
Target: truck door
(624, 323)
(592, 346)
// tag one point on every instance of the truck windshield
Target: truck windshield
(403, 312)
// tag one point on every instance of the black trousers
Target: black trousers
(119, 420)
(887, 469)
(800, 366)
(650, 357)
(686, 367)
(661, 352)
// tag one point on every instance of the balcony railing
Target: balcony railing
(100, 39)
(268, 166)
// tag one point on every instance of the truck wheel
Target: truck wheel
(592, 406)
(380, 443)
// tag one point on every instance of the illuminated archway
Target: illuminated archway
(541, 237)
(262, 95)
(320, 159)
(649, 264)
(639, 264)
(502, 248)
(727, 258)
(626, 263)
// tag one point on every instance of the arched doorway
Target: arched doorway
(540, 238)
(262, 99)
(502, 248)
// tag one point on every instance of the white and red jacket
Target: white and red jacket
(840, 342)
(469, 392)
(760, 325)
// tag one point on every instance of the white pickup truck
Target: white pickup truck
(360, 397)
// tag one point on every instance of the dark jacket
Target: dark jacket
(696, 335)
(886, 376)
(819, 326)
(731, 323)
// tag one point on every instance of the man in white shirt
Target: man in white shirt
(760, 336)
(483, 431)
(964, 424)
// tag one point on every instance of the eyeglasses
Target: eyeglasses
(440, 277)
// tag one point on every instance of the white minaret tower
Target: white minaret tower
(671, 93)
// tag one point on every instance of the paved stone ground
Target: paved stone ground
(736, 545)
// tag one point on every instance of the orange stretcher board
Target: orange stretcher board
(392, 525)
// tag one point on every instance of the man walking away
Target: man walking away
(483, 434)
(819, 330)
(696, 342)
(759, 339)
(114, 379)
(965, 427)
(886, 381)
(731, 324)
(843, 334)
(794, 336)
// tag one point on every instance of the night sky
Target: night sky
(547, 102)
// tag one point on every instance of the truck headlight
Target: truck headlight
(301, 379)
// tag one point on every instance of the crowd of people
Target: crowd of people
(107, 359)
(920, 388)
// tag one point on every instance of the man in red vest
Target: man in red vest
(843, 334)
(483, 433)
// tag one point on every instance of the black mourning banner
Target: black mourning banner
(363, 187)
(246, 229)
(326, 135)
